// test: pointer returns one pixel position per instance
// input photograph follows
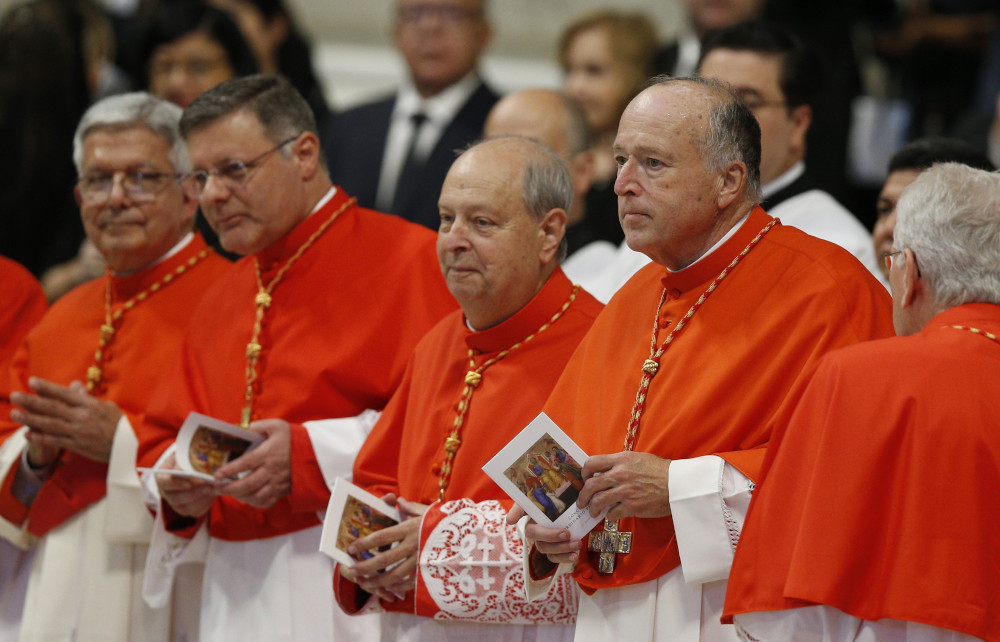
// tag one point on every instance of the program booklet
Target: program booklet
(541, 469)
(205, 444)
(351, 514)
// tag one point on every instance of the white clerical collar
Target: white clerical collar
(323, 201)
(172, 251)
(718, 243)
(783, 181)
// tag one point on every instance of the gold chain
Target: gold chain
(472, 380)
(263, 301)
(95, 373)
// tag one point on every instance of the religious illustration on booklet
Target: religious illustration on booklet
(205, 444)
(351, 514)
(542, 471)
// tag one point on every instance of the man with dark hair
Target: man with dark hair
(876, 519)
(72, 403)
(394, 153)
(904, 167)
(686, 365)
(472, 383)
(315, 322)
(779, 79)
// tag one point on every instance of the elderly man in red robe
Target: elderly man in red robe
(877, 517)
(309, 330)
(672, 390)
(473, 382)
(81, 379)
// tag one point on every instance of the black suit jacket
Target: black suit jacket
(354, 141)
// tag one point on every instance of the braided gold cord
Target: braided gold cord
(112, 319)
(262, 301)
(472, 380)
(652, 364)
(983, 333)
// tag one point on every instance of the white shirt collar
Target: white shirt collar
(783, 181)
(439, 109)
(718, 243)
(323, 201)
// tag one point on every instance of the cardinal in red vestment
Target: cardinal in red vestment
(503, 216)
(311, 329)
(876, 516)
(672, 390)
(80, 380)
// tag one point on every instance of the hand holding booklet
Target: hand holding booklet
(352, 514)
(205, 444)
(542, 471)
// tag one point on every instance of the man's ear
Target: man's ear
(912, 283)
(553, 229)
(306, 151)
(732, 185)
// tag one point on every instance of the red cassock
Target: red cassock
(789, 301)
(878, 488)
(404, 453)
(341, 324)
(61, 348)
(23, 305)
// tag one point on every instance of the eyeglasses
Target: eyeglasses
(233, 174)
(449, 14)
(139, 187)
(887, 257)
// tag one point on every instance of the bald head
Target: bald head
(502, 222)
(545, 115)
(555, 120)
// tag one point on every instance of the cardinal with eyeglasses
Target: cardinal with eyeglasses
(79, 383)
(309, 332)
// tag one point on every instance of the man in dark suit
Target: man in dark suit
(394, 153)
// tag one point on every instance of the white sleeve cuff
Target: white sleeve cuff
(708, 501)
(336, 443)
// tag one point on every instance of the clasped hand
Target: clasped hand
(65, 417)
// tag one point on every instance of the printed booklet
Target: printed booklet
(205, 444)
(351, 514)
(541, 469)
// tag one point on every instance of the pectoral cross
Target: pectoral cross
(609, 543)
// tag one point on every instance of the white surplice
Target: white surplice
(708, 501)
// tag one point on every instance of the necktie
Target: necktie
(410, 167)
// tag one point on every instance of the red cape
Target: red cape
(877, 498)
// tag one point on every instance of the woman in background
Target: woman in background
(607, 57)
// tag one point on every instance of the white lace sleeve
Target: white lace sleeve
(471, 565)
